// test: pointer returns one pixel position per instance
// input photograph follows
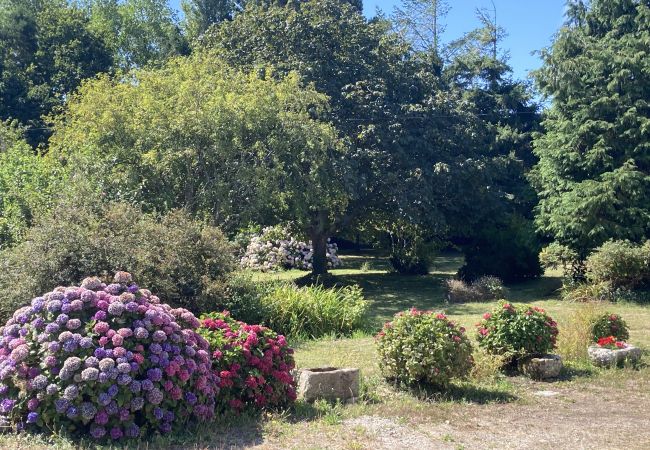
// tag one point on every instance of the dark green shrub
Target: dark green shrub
(610, 325)
(480, 290)
(517, 331)
(242, 297)
(509, 252)
(183, 260)
(314, 311)
(425, 347)
(620, 263)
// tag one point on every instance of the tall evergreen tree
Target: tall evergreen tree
(593, 175)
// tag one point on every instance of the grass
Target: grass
(388, 294)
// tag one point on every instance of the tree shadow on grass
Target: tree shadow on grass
(239, 432)
(459, 393)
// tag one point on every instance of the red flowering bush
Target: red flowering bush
(611, 342)
(610, 325)
(252, 361)
(517, 331)
(422, 346)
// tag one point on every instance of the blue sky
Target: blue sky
(530, 24)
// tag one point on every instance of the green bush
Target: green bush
(242, 297)
(609, 325)
(424, 347)
(314, 311)
(603, 291)
(620, 263)
(517, 331)
(183, 260)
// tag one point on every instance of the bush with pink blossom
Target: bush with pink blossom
(253, 363)
(109, 361)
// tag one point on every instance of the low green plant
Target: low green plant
(608, 324)
(424, 347)
(315, 311)
(517, 332)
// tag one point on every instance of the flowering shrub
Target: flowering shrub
(611, 342)
(482, 289)
(275, 249)
(252, 361)
(517, 331)
(422, 346)
(608, 325)
(106, 360)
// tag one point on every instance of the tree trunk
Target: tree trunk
(319, 234)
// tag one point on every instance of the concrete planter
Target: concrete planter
(540, 367)
(607, 357)
(329, 383)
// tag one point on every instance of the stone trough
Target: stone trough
(329, 383)
(607, 357)
(541, 367)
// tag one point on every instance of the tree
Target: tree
(225, 145)
(46, 49)
(138, 32)
(25, 184)
(201, 14)
(421, 23)
(593, 175)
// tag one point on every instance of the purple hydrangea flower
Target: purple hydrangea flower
(97, 432)
(71, 392)
(32, 417)
(62, 319)
(51, 389)
(72, 412)
(154, 396)
(116, 308)
(101, 417)
(154, 374)
(104, 399)
(88, 410)
(116, 433)
(39, 382)
(6, 405)
(90, 374)
(132, 431)
(113, 390)
(100, 353)
(112, 408)
(158, 413)
(137, 403)
(101, 315)
(123, 379)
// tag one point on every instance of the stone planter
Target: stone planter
(329, 383)
(540, 367)
(607, 357)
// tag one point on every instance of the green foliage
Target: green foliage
(517, 332)
(315, 311)
(196, 134)
(25, 184)
(592, 175)
(410, 254)
(508, 251)
(242, 297)
(480, 290)
(621, 264)
(137, 32)
(555, 256)
(183, 260)
(609, 325)
(46, 49)
(423, 347)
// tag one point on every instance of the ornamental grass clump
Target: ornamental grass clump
(253, 363)
(517, 332)
(423, 346)
(610, 325)
(109, 361)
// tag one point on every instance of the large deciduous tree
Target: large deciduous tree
(593, 176)
(226, 145)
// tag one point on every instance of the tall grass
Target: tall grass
(576, 331)
(312, 312)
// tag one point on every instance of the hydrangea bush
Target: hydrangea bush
(105, 360)
(253, 363)
(610, 325)
(422, 346)
(516, 332)
(275, 249)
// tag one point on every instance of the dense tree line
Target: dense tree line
(307, 111)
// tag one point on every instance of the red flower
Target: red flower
(605, 341)
(487, 315)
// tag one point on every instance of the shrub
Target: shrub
(509, 251)
(315, 311)
(242, 297)
(555, 256)
(482, 289)
(424, 347)
(252, 361)
(183, 260)
(609, 325)
(104, 360)
(620, 263)
(275, 249)
(517, 331)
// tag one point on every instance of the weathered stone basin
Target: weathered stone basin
(541, 367)
(608, 357)
(329, 383)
